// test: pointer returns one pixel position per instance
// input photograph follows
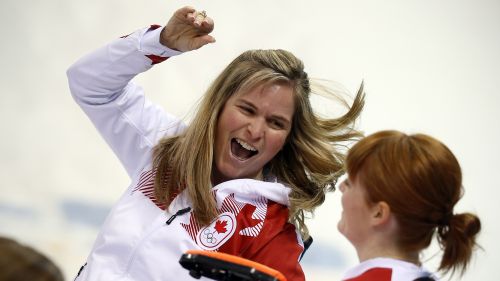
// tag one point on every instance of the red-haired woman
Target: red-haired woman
(400, 191)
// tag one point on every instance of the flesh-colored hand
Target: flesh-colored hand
(187, 30)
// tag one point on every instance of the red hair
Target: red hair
(421, 180)
(21, 262)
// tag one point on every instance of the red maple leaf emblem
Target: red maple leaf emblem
(220, 226)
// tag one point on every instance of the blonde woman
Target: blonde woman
(238, 179)
(400, 193)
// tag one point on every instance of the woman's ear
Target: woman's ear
(381, 213)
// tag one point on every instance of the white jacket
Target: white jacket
(386, 269)
(135, 242)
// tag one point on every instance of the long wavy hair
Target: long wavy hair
(309, 163)
(421, 180)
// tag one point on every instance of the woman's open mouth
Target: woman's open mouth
(242, 150)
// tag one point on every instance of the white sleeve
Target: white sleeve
(100, 83)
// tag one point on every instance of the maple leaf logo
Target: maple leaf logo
(220, 226)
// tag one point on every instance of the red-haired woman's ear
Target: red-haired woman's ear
(381, 213)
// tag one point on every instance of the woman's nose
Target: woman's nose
(256, 128)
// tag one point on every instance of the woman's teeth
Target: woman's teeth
(246, 145)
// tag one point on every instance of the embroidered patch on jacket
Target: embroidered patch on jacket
(217, 233)
(224, 226)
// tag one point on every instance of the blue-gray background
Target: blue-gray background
(428, 66)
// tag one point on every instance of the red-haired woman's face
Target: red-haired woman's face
(354, 223)
(252, 128)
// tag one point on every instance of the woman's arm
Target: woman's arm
(100, 83)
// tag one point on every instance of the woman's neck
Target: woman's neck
(219, 178)
(387, 250)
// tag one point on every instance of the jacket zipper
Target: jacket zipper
(132, 257)
(179, 213)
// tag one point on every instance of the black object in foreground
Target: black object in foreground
(225, 267)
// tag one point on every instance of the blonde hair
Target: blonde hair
(309, 163)
(421, 180)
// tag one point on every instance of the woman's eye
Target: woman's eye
(277, 124)
(246, 109)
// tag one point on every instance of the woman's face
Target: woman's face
(354, 223)
(252, 128)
